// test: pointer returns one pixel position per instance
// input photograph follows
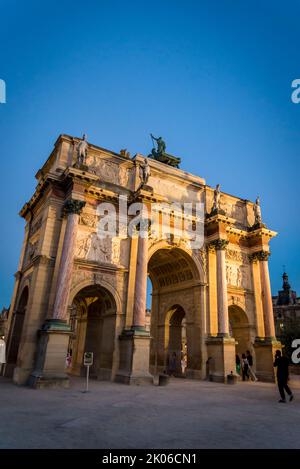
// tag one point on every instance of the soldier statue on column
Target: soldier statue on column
(82, 147)
(217, 199)
(144, 172)
(257, 212)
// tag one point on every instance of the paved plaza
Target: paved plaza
(184, 414)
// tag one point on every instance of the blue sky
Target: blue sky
(213, 78)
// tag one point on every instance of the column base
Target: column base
(50, 369)
(134, 357)
(264, 358)
(221, 358)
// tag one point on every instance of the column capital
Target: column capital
(218, 244)
(73, 206)
(259, 256)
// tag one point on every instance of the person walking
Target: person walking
(250, 366)
(2, 352)
(245, 367)
(238, 364)
(282, 365)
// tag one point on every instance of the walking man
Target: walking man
(245, 367)
(282, 365)
(250, 367)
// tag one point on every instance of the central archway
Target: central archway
(93, 324)
(175, 319)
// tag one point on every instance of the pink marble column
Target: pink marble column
(223, 322)
(139, 307)
(266, 294)
(72, 209)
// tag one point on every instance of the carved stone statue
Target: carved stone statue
(144, 172)
(217, 199)
(257, 211)
(82, 147)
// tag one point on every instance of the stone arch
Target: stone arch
(93, 323)
(175, 338)
(100, 283)
(189, 253)
(16, 330)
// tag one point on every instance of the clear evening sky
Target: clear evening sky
(213, 78)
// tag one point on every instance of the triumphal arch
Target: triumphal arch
(77, 290)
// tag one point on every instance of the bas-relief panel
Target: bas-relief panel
(111, 171)
(177, 192)
(238, 269)
(108, 250)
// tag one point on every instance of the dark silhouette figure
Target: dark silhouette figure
(250, 368)
(245, 367)
(238, 364)
(282, 365)
(172, 364)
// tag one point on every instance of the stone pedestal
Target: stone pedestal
(134, 358)
(264, 358)
(221, 358)
(52, 349)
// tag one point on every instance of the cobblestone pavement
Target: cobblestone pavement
(184, 414)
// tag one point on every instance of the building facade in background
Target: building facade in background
(286, 306)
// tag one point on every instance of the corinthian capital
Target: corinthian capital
(218, 244)
(259, 256)
(73, 206)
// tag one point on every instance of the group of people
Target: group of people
(173, 365)
(244, 366)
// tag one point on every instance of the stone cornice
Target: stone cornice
(38, 259)
(147, 195)
(260, 232)
(92, 266)
(85, 176)
(219, 218)
(39, 191)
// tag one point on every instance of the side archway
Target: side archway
(16, 332)
(240, 329)
(93, 324)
